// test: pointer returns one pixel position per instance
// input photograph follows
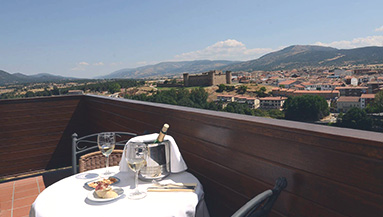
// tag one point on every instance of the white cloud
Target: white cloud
(98, 64)
(141, 63)
(80, 66)
(379, 29)
(115, 64)
(230, 49)
(376, 40)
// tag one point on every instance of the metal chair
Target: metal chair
(260, 205)
(95, 160)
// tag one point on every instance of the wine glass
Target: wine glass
(136, 153)
(106, 143)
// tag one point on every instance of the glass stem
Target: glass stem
(107, 164)
(135, 181)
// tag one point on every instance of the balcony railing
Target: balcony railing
(331, 171)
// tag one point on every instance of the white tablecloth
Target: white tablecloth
(68, 197)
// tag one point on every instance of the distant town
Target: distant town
(342, 88)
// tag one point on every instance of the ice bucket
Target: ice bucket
(157, 162)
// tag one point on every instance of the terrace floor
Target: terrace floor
(16, 197)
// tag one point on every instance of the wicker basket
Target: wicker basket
(97, 160)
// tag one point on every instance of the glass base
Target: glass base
(106, 175)
(137, 194)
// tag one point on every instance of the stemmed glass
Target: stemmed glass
(106, 143)
(136, 153)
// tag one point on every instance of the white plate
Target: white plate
(86, 184)
(93, 196)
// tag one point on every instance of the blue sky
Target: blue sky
(88, 38)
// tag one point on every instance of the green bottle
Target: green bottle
(162, 134)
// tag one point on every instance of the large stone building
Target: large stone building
(207, 78)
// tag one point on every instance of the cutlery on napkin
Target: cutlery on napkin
(185, 187)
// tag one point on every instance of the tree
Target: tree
(55, 91)
(221, 88)
(238, 108)
(229, 88)
(261, 92)
(377, 105)
(355, 118)
(305, 108)
(173, 81)
(114, 87)
(29, 94)
(242, 89)
(276, 113)
(199, 97)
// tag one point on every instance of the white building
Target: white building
(272, 102)
(225, 98)
(345, 103)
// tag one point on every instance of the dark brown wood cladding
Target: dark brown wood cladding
(33, 130)
(331, 171)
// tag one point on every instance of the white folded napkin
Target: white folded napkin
(177, 163)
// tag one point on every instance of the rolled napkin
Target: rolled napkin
(177, 163)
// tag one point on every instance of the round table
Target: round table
(68, 197)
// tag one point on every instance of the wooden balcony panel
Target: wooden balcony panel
(115, 122)
(331, 171)
(20, 126)
(33, 118)
(18, 152)
(34, 103)
(295, 154)
(40, 128)
(259, 150)
(15, 112)
(99, 111)
(30, 140)
(328, 137)
(249, 185)
(32, 164)
(223, 202)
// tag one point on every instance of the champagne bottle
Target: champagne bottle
(162, 134)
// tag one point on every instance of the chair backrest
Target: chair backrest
(260, 205)
(88, 143)
(95, 160)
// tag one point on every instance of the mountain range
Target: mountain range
(299, 56)
(293, 57)
(170, 68)
(8, 78)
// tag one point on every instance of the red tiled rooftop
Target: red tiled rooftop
(299, 86)
(273, 98)
(316, 91)
(286, 82)
(370, 96)
(348, 99)
(338, 88)
(17, 196)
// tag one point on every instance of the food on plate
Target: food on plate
(104, 191)
(107, 181)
